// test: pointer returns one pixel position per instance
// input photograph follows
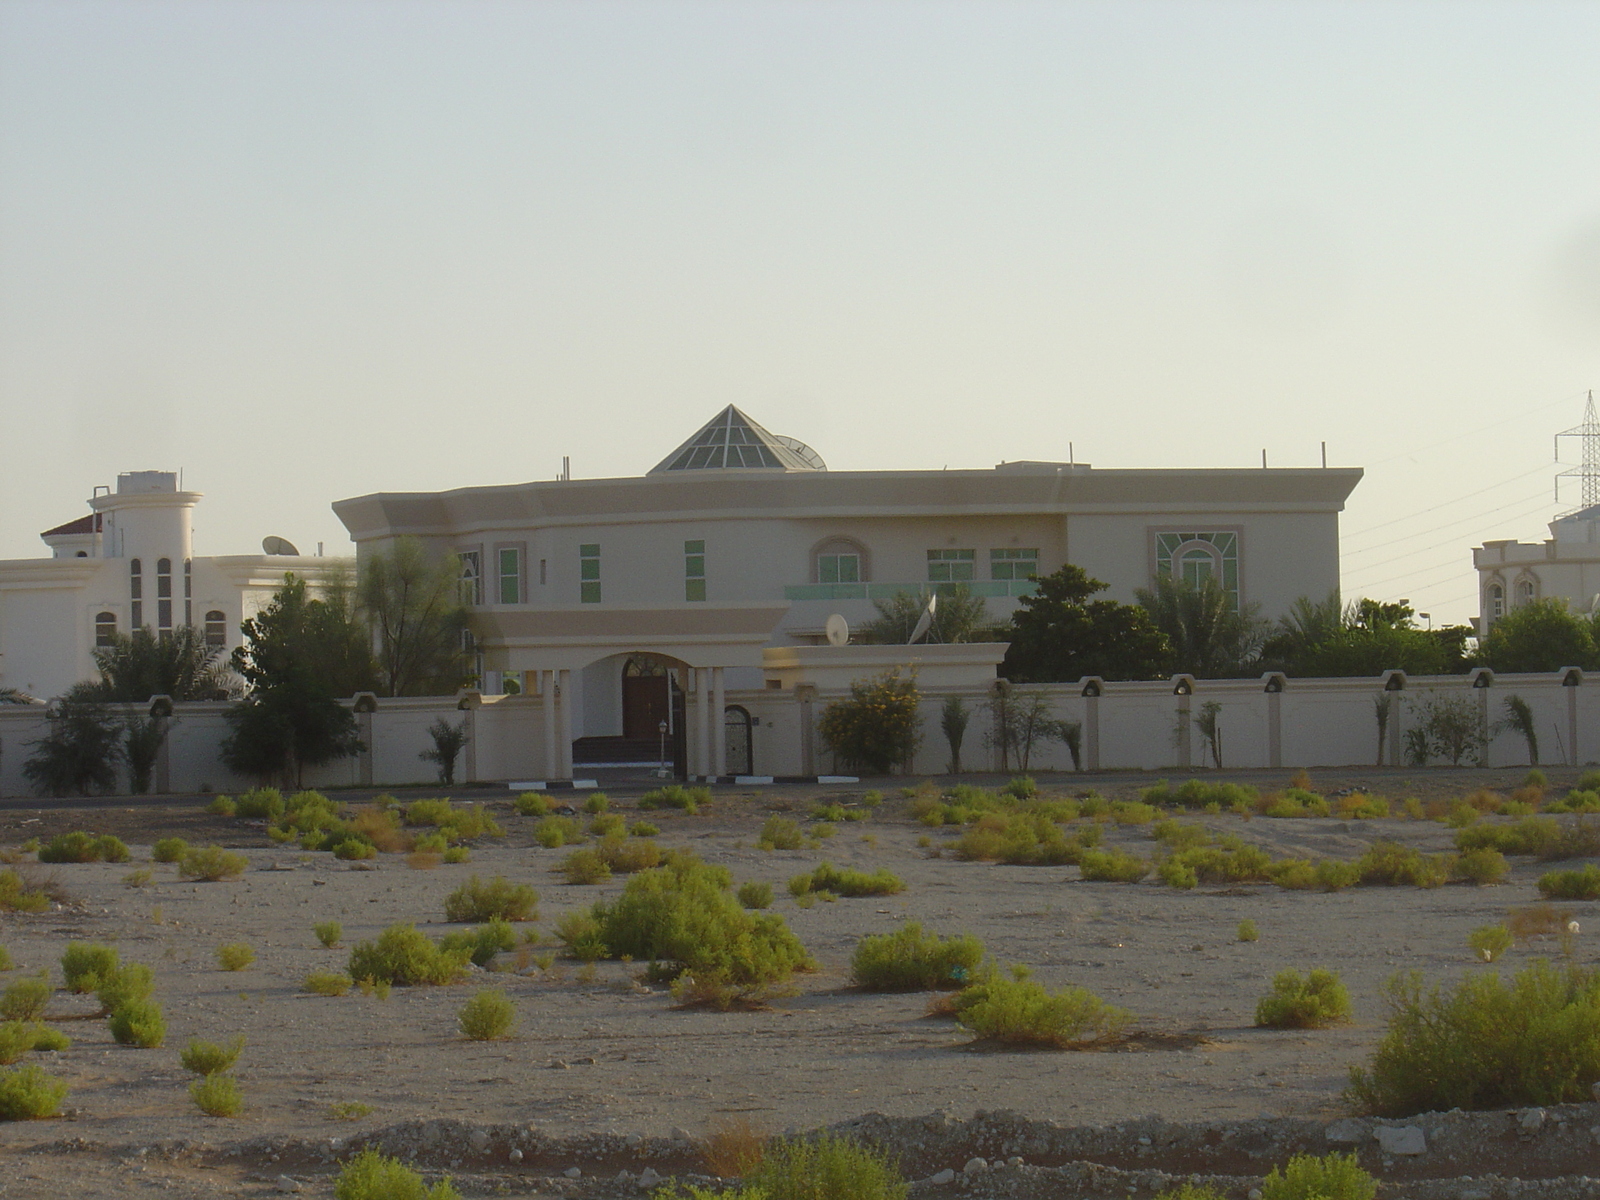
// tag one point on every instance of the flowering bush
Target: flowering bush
(878, 726)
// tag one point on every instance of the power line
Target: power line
(1520, 415)
(1446, 504)
(1441, 545)
(1406, 537)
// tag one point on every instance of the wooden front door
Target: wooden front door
(644, 706)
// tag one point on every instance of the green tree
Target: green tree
(879, 726)
(82, 751)
(1319, 639)
(1059, 635)
(297, 659)
(448, 740)
(178, 664)
(1541, 635)
(414, 607)
(1211, 636)
(959, 616)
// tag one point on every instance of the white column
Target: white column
(719, 724)
(547, 709)
(565, 745)
(702, 683)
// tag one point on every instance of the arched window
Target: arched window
(136, 592)
(164, 595)
(840, 560)
(471, 578)
(1196, 565)
(105, 629)
(1495, 602)
(217, 628)
(1525, 592)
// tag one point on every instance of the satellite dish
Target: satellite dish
(278, 545)
(925, 621)
(838, 630)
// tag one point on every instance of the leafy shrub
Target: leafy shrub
(676, 796)
(1482, 866)
(1331, 1177)
(908, 960)
(328, 933)
(1489, 942)
(223, 806)
(624, 857)
(85, 965)
(19, 1037)
(827, 812)
(1532, 835)
(1312, 1002)
(28, 1094)
(829, 878)
(1327, 875)
(260, 804)
(1575, 801)
(371, 1176)
(168, 850)
(139, 878)
(354, 849)
(25, 999)
(457, 823)
(585, 866)
(1227, 861)
(482, 943)
(643, 829)
(487, 1016)
(499, 898)
(824, 1167)
(1582, 884)
(128, 983)
(780, 833)
(532, 804)
(209, 1058)
(595, 803)
(17, 896)
(211, 863)
(755, 895)
(609, 825)
(139, 1023)
(1191, 1191)
(682, 918)
(1022, 1012)
(554, 832)
(403, 955)
(1022, 838)
(1361, 807)
(457, 854)
(327, 983)
(1197, 793)
(217, 1095)
(1247, 932)
(235, 956)
(5, 959)
(878, 726)
(1487, 1045)
(1389, 864)
(1112, 866)
(348, 1110)
(82, 847)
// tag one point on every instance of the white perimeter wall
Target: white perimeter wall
(1320, 723)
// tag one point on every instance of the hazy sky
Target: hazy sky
(307, 251)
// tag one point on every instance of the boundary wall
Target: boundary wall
(1150, 726)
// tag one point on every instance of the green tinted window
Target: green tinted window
(589, 573)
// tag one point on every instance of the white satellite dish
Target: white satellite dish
(278, 545)
(838, 630)
(925, 621)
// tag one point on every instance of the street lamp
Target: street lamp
(1428, 617)
(661, 761)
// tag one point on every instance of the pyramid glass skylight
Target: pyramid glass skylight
(733, 440)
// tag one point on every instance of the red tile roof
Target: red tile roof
(89, 524)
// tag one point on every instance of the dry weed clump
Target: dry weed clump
(210, 1058)
(733, 1148)
(1537, 921)
(25, 999)
(19, 1037)
(235, 956)
(403, 955)
(86, 965)
(371, 1176)
(328, 933)
(217, 1095)
(23, 891)
(327, 983)
(1019, 1011)
(846, 882)
(84, 848)
(499, 898)
(1330, 1177)
(211, 864)
(909, 960)
(1580, 884)
(824, 1167)
(139, 1023)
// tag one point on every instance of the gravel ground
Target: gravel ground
(606, 1075)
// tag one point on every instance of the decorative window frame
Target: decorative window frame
(216, 628)
(471, 581)
(1493, 598)
(1526, 580)
(1168, 544)
(105, 630)
(841, 544)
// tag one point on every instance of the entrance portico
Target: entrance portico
(697, 646)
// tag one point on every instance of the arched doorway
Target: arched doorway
(741, 749)
(646, 696)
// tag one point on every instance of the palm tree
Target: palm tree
(178, 664)
(1211, 636)
(959, 616)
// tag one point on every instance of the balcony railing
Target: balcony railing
(882, 591)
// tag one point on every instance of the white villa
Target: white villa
(129, 563)
(1567, 564)
(618, 603)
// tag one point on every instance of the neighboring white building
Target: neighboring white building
(129, 563)
(1567, 564)
(620, 598)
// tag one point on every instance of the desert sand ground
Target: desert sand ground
(602, 1054)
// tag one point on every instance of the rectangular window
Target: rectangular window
(951, 566)
(542, 574)
(510, 575)
(1013, 564)
(694, 570)
(838, 568)
(589, 573)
